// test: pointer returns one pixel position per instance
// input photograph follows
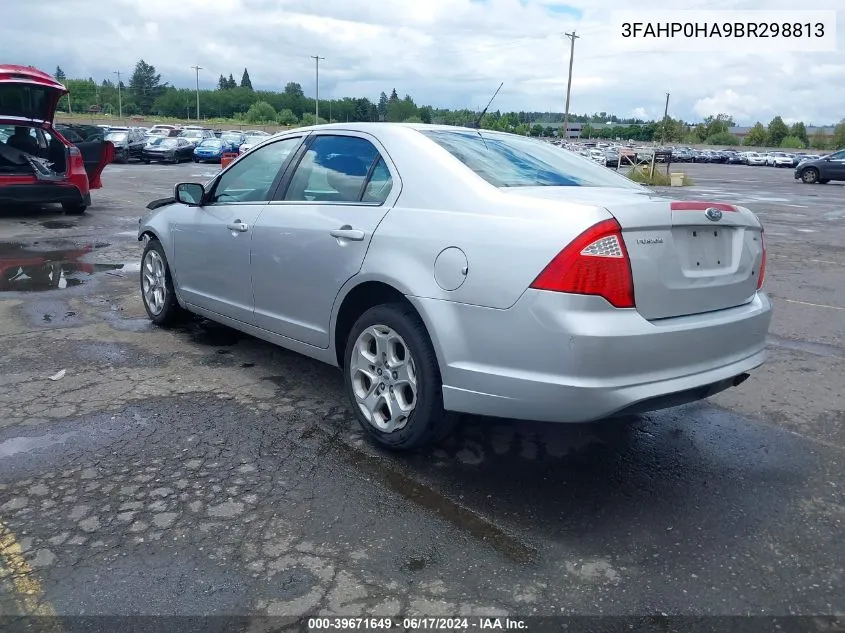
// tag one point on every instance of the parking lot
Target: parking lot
(200, 471)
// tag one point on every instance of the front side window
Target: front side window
(251, 178)
(334, 169)
(838, 155)
(507, 160)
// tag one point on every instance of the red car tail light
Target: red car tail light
(76, 163)
(595, 263)
(762, 277)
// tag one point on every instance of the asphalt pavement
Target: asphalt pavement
(199, 471)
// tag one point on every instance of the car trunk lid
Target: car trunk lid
(687, 257)
(28, 94)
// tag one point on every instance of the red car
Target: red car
(38, 164)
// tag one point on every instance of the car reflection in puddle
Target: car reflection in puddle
(25, 269)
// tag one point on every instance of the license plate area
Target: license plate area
(705, 248)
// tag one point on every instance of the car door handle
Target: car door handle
(348, 233)
(238, 226)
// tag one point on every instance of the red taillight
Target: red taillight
(761, 278)
(76, 165)
(698, 205)
(595, 263)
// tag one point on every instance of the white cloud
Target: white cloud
(449, 53)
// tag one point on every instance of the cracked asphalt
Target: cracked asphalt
(199, 471)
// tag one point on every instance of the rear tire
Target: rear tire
(157, 291)
(74, 208)
(403, 329)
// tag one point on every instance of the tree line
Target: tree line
(146, 94)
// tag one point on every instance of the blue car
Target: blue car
(235, 140)
(211, 150)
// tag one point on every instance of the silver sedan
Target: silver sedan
(450, 270)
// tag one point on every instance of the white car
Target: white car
(251, 141)
(779, 159)
(754, 159)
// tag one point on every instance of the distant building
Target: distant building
(742, 131)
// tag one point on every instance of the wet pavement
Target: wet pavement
(200, 471)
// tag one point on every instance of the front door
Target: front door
(835, 169)
(313, 237)
(212, 241)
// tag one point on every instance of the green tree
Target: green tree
(309, 118)
(293, 89)
(587, 131)
(246, 82)
(819, 141)
(756, 136)
(722, 138)
(144, 87)
(222, 84)
(717, 124)
(60, 74)
(287, 117)
(777, 132)
(800, 132)
(426, 113)
(393, 97)
(261, 112)
(382, 106)
(792, 142)
(700, 132)
(536, 130)
(838, 141)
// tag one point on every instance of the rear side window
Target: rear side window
(334, 169)
(507, 160)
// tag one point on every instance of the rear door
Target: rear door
(96, 155)
(313, 237)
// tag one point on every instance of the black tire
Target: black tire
(428, 422)
(74, 208)
(810, 176)
(171, 313)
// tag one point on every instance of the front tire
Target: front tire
(157, 291)
(810, 176)
(74, 208)
(393, 380)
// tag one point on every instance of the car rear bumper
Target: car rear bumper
(568, 358)
(42, 193)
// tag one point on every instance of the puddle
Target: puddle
(205, 332)
(16, 445)
(31, 268)
(58, 224)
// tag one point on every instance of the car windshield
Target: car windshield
(116, 136)
(163, 142)
(507, 160)
(230, 138)
(191, 134)
(212, 143)
(252, 140)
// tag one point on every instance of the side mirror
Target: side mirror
(189, 193)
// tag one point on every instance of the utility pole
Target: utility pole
(665, 116)
(317, 59)
(572, 37)
(119, 100)
(198, 69)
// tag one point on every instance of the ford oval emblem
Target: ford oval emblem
(713, 214)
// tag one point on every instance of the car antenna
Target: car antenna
(477, 123)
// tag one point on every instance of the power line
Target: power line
(317, 59)
(198, 69)
(572, 37)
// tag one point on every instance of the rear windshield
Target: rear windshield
(508, 160)
(211, 143)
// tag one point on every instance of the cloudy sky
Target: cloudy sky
(447, 53)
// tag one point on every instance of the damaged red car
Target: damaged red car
(37, 164)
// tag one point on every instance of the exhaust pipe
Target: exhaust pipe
(738, 380)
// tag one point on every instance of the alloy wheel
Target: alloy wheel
(153, 283)
(384, 378)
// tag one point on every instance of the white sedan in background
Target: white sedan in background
(251, 141)
(754, 159)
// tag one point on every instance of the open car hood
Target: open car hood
(27, 93)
